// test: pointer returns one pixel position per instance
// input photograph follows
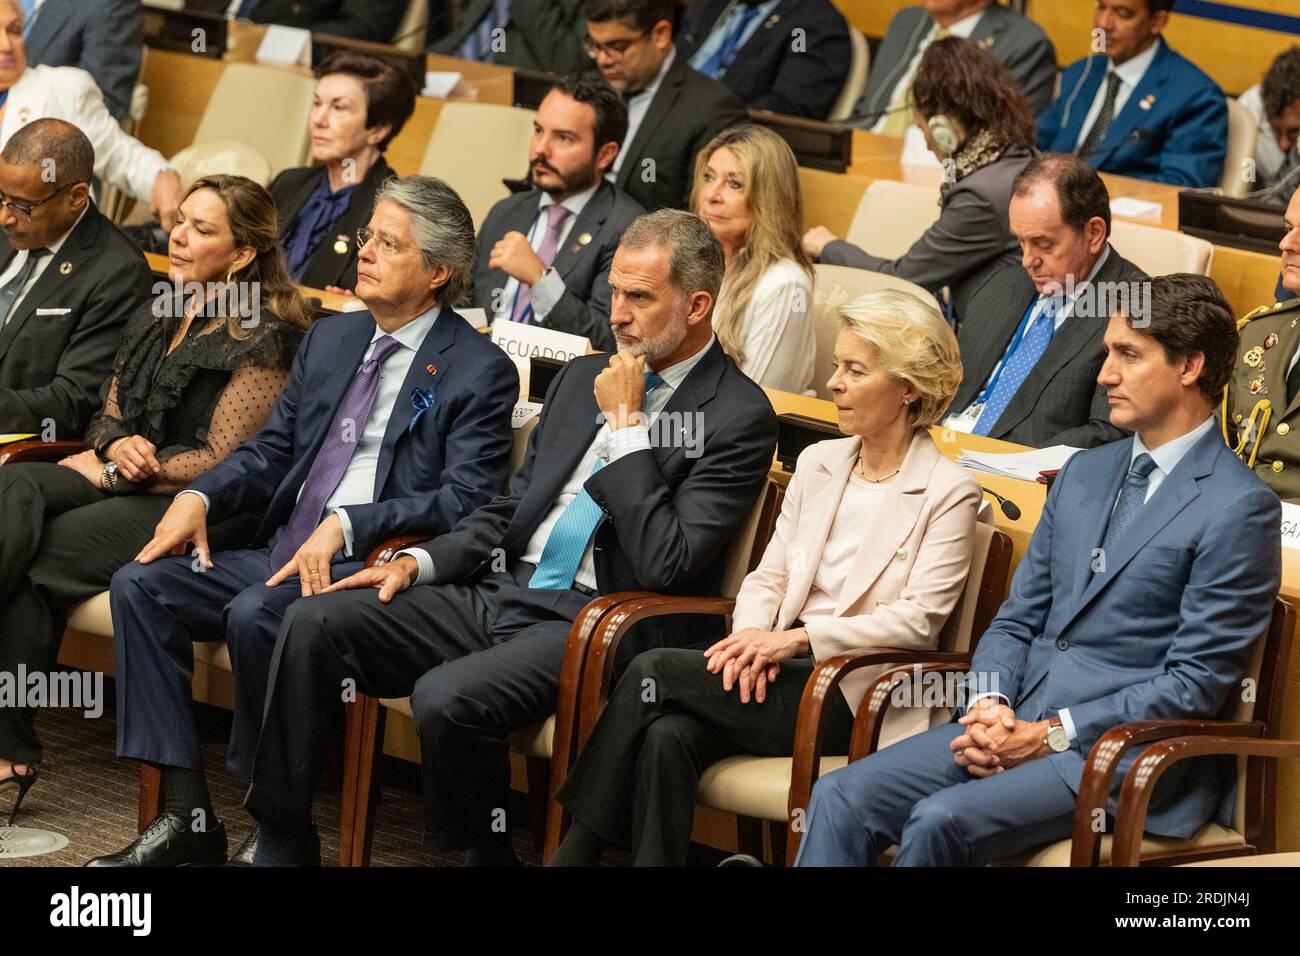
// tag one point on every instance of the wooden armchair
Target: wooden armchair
(33, 450)
(1253, 722)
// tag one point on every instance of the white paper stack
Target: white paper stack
(1024, 465)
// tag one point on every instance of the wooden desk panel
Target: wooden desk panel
(335, 303)
(180, 86)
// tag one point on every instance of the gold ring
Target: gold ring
(315, 574)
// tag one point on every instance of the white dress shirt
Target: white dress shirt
(550, 289)
(20, 259)
(1130, 74)
(962, 28)
(777, 337)
(608, 445)
(725, 25)
(638, 104)
(357, 486)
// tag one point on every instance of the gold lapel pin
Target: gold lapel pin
(584, 239)
(1148, 101)
(65, 268)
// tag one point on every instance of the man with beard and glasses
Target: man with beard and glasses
(642, 467)
(544, 255)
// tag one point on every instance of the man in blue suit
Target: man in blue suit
(395, 421)
(1138, 108)
(106, 39)
(1148, 580)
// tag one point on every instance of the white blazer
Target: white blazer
(905, 579)
(70, 94)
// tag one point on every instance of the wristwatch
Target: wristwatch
(1057, 738)
(110, 476)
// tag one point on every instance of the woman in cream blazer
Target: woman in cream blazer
(872, 549)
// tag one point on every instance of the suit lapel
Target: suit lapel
(661, 107)
(588, 223)
(984, 353)
(1087, 92)
(696, 391)
(439, 340)
(49, 20)
(77, 252)
(289, 214)
(1275, 372)
(826, 490)
(1133, 115)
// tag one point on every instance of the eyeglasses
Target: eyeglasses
(24, 209)
(614, 49)
(387, 247)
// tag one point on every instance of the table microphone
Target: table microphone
(1009, 507)
(1136, 136)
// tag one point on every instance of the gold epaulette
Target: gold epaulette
(1273, 309)
(1262, 310)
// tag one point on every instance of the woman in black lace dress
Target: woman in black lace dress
(197, 373)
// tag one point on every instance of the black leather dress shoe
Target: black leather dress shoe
(169, 841)
(247, 850)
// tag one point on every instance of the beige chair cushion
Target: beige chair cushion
(535, 740)
(1058, 853)
(855, 84)
(476, 174)
(92, 617)
(280, 123)
(1243, 130)
(1263, 859)
(892, 215)
(757, 787)
(1160, 252)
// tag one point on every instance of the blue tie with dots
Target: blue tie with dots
(1018, 366)
(1131, 498)
(567, 542)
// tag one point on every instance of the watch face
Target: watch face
(1058, 739)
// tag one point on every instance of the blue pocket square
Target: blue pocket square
(422, 399)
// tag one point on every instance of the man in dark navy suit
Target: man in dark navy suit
(641, 469)
(395, 421)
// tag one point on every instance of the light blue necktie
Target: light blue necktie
(1017, 366)
(567, 542)
(717, 64)
(477, 45)
(1131, 499)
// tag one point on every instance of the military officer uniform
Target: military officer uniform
(1261, 405)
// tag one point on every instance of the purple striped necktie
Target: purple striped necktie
(556, 215)
(335, 453)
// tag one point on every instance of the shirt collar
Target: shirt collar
(575, 203)
(1132, 71)
(412, 333)
(676, 373)
(963, 27)
(651, 88)
(57, 244)
(1168, 455)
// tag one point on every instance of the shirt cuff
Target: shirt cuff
(207, 504)
(1068, 723)
(546, 294)
(624, 441)
(970, 704)
(346, 523)
(423, 560)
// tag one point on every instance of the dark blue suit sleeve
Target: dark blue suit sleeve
(111, 51)
(476, 457)
(1193, 152)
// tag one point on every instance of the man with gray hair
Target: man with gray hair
(394, 421)
(641, 468)
(68, 281)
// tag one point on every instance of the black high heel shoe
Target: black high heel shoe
(23, 781)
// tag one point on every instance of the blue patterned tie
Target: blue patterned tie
(567, 542)
(477, 45)
(1131, 499)
(717, 64)
(1017, 366)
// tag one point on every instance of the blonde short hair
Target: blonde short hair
(915, 344)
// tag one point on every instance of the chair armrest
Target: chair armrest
(1103, 761)
(876, 701)
(1141, 779)
(631, 608)
(18, 452)
(385, 550)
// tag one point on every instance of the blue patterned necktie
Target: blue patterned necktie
(477, 44)
(14, 287)
(717, 64)
(335, 453)
(1017, 366)
(567, 542)
(1131, 499)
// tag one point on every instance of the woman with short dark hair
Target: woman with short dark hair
(360, 104)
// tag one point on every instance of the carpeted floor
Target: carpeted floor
(88, 795)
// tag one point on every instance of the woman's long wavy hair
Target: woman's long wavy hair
(776, 205)
(254, 222)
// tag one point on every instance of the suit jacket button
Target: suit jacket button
(1283, 428)
(1278, 466)
(900, 553)
(1062, 644)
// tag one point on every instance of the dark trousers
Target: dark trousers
(159, 610)
(637, 779)
(61, 539)
(478, 660)
(914, 795)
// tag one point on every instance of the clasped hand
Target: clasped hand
(751, 659)
(995, 740)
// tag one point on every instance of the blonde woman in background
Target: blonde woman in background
(871, 550)
(747, 190)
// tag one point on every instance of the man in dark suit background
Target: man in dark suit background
(603, 503)
(543, 255)
(395, 421)
(374, 20)
(1031, 340)
(543, 35)
(672, 110)
(360, 105)
(788, 56)
(1139, 109)
(68, 282)
(1018, 42)
(106, 39)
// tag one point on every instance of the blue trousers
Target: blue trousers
(159, 610)
(912, 794)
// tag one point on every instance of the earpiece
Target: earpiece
(943, 133)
